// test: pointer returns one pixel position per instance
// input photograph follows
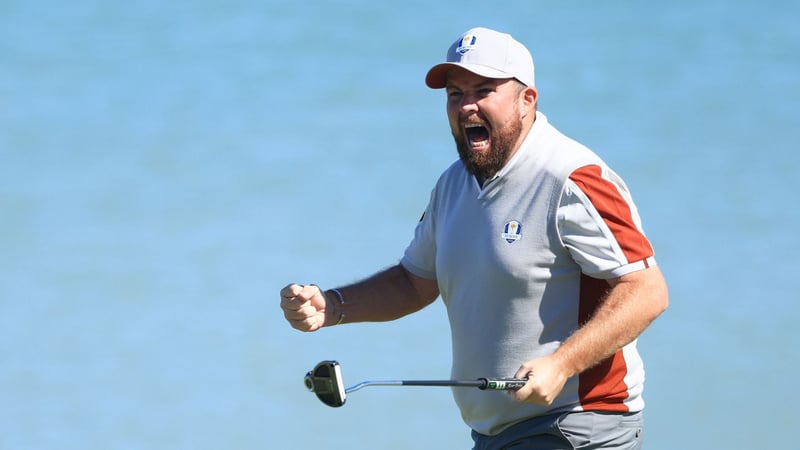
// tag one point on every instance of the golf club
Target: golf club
(325, 380)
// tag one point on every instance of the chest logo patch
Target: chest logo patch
(512, 232)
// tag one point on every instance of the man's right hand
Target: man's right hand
(305, 307)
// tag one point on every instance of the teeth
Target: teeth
(477, 144)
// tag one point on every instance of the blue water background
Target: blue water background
(166, 167)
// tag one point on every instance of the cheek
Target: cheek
(451, 108)
(453, 118)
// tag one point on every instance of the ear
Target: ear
(527, 100)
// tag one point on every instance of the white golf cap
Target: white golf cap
(487, 53)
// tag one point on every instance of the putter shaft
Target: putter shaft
(495, 384)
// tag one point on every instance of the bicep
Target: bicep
(427, 289)
(646, 285)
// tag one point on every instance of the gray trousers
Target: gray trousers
(569, 431)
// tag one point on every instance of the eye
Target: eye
(454, 95)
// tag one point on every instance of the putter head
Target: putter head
(325, 380)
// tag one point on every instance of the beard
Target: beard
(484, 165)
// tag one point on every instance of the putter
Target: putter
(325, 380)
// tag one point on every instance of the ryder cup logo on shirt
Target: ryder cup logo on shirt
(467, 43)
(512, 231)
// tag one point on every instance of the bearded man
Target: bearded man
(537, 250)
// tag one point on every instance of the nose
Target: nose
(469, 104)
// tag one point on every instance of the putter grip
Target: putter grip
(502, 384)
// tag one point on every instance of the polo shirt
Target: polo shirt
(521, 262)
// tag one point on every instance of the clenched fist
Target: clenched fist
(305, 307)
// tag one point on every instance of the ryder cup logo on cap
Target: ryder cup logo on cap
(487, 53)
(466, 43)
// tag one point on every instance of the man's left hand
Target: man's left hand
(546, 379)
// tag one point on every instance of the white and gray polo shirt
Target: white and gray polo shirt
(521, 263)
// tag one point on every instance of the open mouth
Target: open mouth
(477, 135)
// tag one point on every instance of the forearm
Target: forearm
(385, 296)
(630, 306)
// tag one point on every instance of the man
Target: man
(536, 249)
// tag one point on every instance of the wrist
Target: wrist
(337, 302)
(563, 359)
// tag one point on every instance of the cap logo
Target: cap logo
(467, 43)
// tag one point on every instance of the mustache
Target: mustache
(473, 120)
